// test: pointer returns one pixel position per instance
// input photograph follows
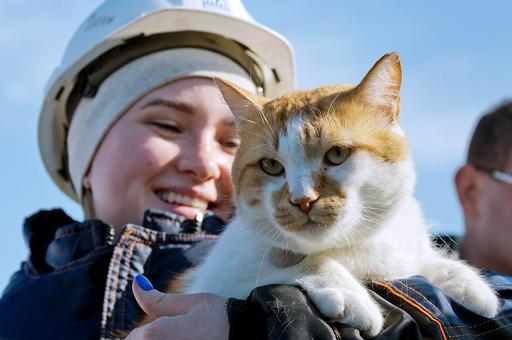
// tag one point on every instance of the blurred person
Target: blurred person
(484, 188)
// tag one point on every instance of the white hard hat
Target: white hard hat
(118, 32)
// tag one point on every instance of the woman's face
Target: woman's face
(172, 150)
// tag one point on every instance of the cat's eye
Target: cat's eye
(271, 167)
(336, 155)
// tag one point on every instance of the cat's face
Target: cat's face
(321, 168)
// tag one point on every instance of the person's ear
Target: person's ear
(466, 184)
(86, 182)
(86, 199)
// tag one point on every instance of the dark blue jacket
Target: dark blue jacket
(77, 284)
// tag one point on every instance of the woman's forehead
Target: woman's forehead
(193, 98)
(185, 87)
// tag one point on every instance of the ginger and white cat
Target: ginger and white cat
(324, 197)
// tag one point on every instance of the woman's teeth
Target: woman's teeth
(171, 197)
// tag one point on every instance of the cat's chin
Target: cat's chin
(310, 239)
(309, 236)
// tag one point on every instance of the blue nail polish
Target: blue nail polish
(143, 282)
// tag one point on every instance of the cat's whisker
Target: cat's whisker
(332, 103)
(263, 128)
(366, 216)
(376, 208)
(447, 245)
(372, 219)
(256, 147)
(265, 120)
(268, 234)
(269, 230)
(256, 134)
(265, 254)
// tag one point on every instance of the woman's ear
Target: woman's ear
(86, 182)
(466, 184)
(86, 200)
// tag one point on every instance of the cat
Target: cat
(324, 200)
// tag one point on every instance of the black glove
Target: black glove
(277, 312)
(413, 308)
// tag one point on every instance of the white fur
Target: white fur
(292, 152)
(395, 128)
(383, 89)
(380, 234)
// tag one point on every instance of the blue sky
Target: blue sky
(456, 60)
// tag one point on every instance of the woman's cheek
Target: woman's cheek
(158, 152)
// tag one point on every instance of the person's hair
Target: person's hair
(491, 144)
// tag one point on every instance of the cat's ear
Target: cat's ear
(381, 85)
(242, 103)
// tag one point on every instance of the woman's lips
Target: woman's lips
(181, 199)
(181, 204)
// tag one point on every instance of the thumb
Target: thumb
(156, 304)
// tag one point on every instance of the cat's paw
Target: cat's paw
(356, 309)
(464, 284)
(473, 292)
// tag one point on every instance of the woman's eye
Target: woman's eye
(271, 167)
(231, 143)
(336, 155)
(168, 126)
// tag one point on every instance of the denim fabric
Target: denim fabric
(76, 284)
(412, 307)
(434, 315)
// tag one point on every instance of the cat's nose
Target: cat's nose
(304, 203)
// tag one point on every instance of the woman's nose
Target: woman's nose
(200, 159)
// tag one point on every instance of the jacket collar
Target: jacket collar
(55, 239)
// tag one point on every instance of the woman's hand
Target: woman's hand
(180, 316)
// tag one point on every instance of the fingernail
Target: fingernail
(143, 282)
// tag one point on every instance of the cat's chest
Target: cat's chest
(374, 261)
